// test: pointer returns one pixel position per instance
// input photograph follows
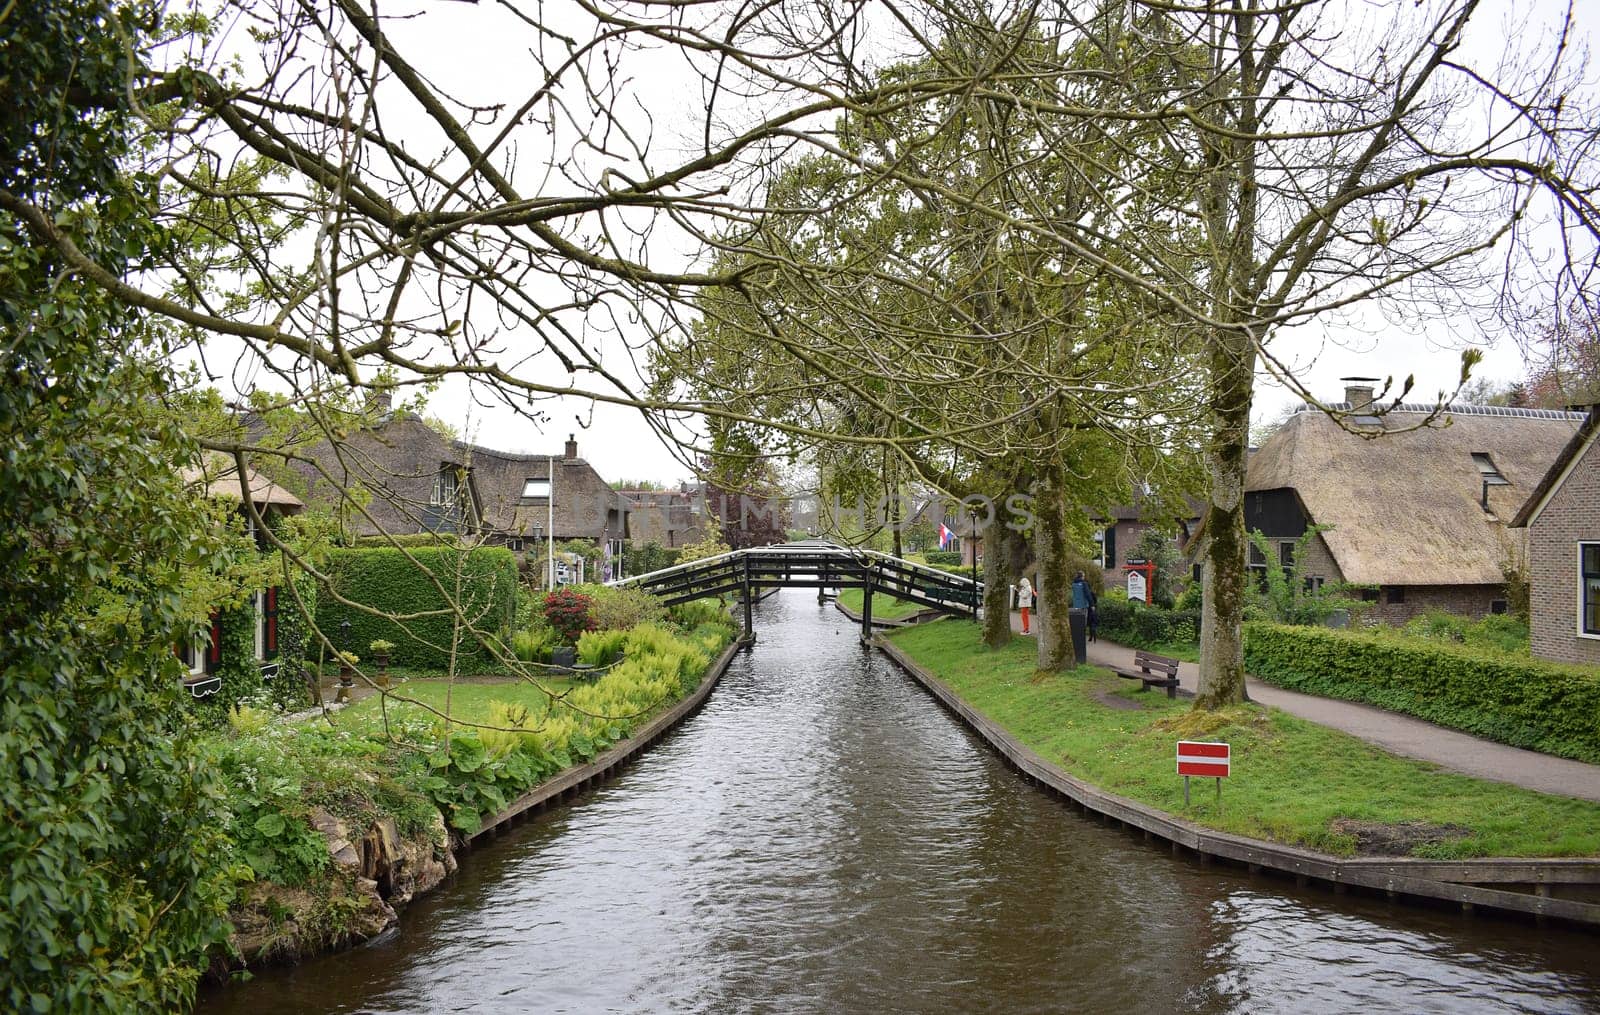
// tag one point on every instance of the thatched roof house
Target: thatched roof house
(218, 476)
(1421, 514)
(422, 481)
(670, 518)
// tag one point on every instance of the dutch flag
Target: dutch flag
(945, 536)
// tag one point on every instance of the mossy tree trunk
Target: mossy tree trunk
(1225, 574)
(1053, 596)
(999, 573)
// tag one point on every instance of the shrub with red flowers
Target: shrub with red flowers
(568, 614)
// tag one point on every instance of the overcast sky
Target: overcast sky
(622, 446)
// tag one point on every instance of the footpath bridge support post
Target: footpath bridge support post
(749, 619)
(866, 611)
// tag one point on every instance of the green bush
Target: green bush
(942, 556)
(1503, 633)
(699, 611)
(1141, 626)
(616, 609)
(533, 646)
(597, 647)
(393, 583)
(1540, 706)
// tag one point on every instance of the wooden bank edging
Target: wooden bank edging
(1457, 881)
(574, 779)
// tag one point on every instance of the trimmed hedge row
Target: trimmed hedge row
(1539, 706)
(388, 580)
(1145, 626)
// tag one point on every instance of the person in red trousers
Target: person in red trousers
(1024, 601)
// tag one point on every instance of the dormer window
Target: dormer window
(536, 488)
(1489, 474)
(446, 486)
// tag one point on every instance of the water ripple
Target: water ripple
(822, 837)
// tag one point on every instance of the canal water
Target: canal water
(822, 837)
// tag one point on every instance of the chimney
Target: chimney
(380, 402)
(572, 446)
(1358, 393)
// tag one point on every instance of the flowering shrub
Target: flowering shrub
(568, 614)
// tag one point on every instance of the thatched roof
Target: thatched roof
(1405, 507)
(219, 477)
(586, 507)
(1557, 472)
(399, 461)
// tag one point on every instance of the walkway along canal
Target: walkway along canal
(823, 836)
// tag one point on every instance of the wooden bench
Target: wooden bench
(1152, 671)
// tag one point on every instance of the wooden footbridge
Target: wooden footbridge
(747, 573)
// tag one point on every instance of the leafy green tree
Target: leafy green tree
(1156, 546)
(1291, 595)
(116, 874)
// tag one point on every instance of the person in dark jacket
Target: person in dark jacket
(1083, 598)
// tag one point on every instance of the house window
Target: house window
(536, 488)
(1489, 474)
(1486, 467)
(1589, 588)
(445, 486)
(1497, 606)
(514, 545)
(1314, 583)
(1286, 555)
(1257, 565)
(1395, 594)
(1369, 595)
(1110, 545)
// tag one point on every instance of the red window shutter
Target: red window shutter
(214, 652)
(272, 622)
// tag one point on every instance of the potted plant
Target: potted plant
(347, 666)
(347, 678)
(380, 654)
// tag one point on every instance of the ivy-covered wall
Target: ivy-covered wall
(238, 667)
(405, 586)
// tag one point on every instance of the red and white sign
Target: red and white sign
(1196, 757)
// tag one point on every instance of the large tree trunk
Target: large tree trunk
(1054, 593)
(1225, 575)
(998, 575)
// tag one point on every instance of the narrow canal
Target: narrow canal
(823, 837)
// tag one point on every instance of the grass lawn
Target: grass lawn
(1292, 779)
(883, 607)
(470, 699)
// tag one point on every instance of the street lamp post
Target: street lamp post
(974, 545)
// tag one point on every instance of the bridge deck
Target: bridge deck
(810, 565)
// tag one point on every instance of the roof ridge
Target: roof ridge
(1463, 409)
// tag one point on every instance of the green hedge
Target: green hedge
(387, 579)
(942, 556)
(1141, 626)
(1540, 706)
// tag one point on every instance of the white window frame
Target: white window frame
(1582, 631)
(534, 488)
(259, 602)
(446, 477)
(194, 655)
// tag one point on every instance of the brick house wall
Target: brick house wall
(1124, 536)
(1570, 516)
(1473, 602)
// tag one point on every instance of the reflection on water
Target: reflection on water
(822, 837)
